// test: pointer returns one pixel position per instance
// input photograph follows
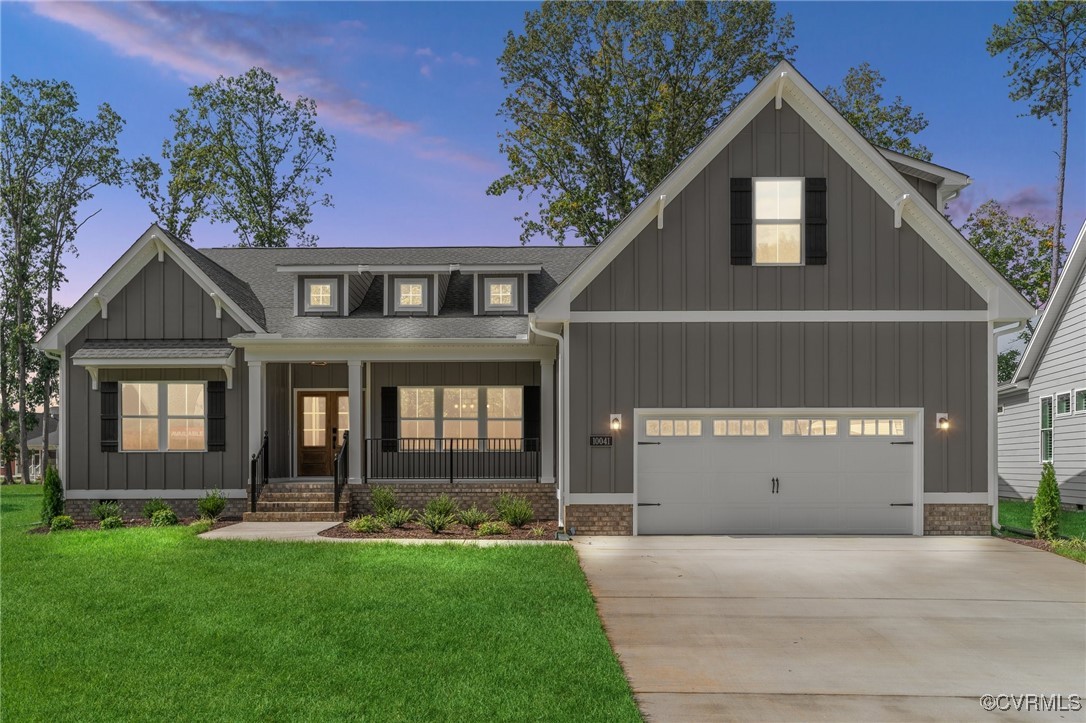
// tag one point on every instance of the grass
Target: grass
(1020, 514)
(153, 623)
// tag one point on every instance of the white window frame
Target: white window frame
(1050, 429)
(489, 282)
(1074, 401)
(1070, 404)
(309, 283)
(439, 418)
(692, 427)
(755, 221)
(877, 419)
(163, 416)
(421, 280)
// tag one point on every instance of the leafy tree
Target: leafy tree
(890, 125)
(52, 502)
(605, 98)
(1046, 505)
(244, 155)
(1046, 42)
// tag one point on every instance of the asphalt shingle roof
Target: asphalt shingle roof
(154, 348)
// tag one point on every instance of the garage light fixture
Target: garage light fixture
(616, 422)
(942, 421)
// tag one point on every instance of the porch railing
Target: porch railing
(453, 459)
(340, 469)
(258, 473)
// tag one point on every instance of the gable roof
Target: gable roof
(1074, 269)
(786, 84)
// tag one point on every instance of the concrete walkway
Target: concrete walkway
(307, 532)
(871, 629)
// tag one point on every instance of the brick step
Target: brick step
(294, 516)
(322, 506)
(277, 496)
(299, 487)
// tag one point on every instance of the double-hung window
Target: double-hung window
(460, 416)
(417, 417)
(778, 221)
(504, 417)
(163, 416)
(1046, 429)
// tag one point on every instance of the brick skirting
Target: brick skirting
(958, 519)
(600, 519)
(81, 509)
(415, 495)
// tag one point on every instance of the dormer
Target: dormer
(327, 290)
(500, 289)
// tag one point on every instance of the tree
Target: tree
(1046, 505)
(890, 125)
(605, 99)
(248, 156)
(1046, 42)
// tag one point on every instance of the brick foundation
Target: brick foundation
(600, 519)
(958, 519)
(415, 495)
(80, 510)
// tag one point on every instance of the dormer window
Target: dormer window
(778, 221)
(500, 294)
(320, 295)
(410, 295)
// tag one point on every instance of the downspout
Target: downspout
(993, 438)
(559, 471)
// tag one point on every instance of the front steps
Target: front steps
(298, 502)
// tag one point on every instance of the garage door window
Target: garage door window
(740, 427)
(808, 427)
(672, 427)
(876, 427)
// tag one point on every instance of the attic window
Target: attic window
(410, 294)
(778, 221)
(501, 294)
(320, 295)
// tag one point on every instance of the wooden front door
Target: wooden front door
(322, 420)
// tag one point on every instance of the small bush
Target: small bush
(153, 506)
(106, 508)
(473, 517)
(383, 500)
(435, 520)
(52, 501)
(442, 505)
(397, 517)
(366, 523)
(212, 504)
(490, 529)
(1046, 508)
(164, 518)
(61, 522)
(201, 525)
(516, 511)
(539, 532)
(112, 523)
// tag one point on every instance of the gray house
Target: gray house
(786, 336)
(1042, 411)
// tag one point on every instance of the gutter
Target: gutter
(560, 413)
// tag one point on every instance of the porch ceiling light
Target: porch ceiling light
(318, 363)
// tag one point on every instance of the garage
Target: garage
(811, 472)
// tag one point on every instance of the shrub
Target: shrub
(1046, 508)
(366, 523)
(435, 520)
(473, 517)
(212, 504)
(112, 523)
(164, 518)
(516, 511)
(397, 517)
(201, 525)
(153, 506)
(442, 505)
(106, 508)
(61, 522)
(383, 500)
(489, 529)
(52, 501)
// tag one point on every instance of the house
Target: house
(1042, 410)
(786, 336)
(49, 426)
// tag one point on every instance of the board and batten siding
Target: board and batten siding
(160, 302)
(1062, 368)
(939, 366)
(687, 266)
(283, 382)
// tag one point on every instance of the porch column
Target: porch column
(546, 420)
(354, 414)
(256, 409)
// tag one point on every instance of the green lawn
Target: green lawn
(1019, 514)
(146, 624)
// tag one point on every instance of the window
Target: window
(740, 427)
(876, 427)
(501, 294)
(1080, 400)
(504, 417)
(808, 427)
(460, 416)
(1063, 404)
(999, 409)
(320, 295)
(467, 414)
(417, 418)
(163, 416)
(314, 420)
(410, 295)
(778, 221)
(672, 427)
(1046, 429)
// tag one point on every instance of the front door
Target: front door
(322, 420)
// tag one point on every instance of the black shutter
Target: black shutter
(532, 426)
(216, 416)
(742, 221)
(390, 402)
(815, 231)
(108, 394)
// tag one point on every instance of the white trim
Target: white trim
(546, 419)
(335, 350)
(149, 494)
(957, 498)
(421, 280)
(513, 281)
(1070, 404)
(601, 498)
(94, 364)
(355, 396)
(333, 294)
(256, 409)
(801, 221)
(408, 268)
(992, 477)
(162, 416)
(826, 315)
(62, 455)
(1041, 428)
(1074, 401)
(501, 268)
(952, 179)
(367, 411)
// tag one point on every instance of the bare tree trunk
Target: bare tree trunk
(24, 450)
(5, 420)
(1057, 234)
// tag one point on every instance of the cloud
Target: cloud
(432, 59)
(1037, 201)
(198, 43)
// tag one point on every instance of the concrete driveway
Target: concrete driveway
(848, 628)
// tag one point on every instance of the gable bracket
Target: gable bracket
(660, 211)
(160, 247)
(899, 206)
(103, 304)
(218, 304)
(780, 89)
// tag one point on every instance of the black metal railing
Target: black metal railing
(453, 459)
(341, 468)
(258, 473)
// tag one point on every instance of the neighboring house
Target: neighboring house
(35, 442)
(763, 345)
(1042, 411)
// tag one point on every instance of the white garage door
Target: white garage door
(820, 473)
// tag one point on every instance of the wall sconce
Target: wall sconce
(942, 421)
(616, 422)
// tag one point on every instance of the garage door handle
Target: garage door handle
(901, 504)
(900, 442)
(648, 443)
(648, 504)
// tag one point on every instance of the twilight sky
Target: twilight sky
(410, 91)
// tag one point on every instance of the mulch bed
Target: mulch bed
(137, 522)
(413, 530)
(1038, 544)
